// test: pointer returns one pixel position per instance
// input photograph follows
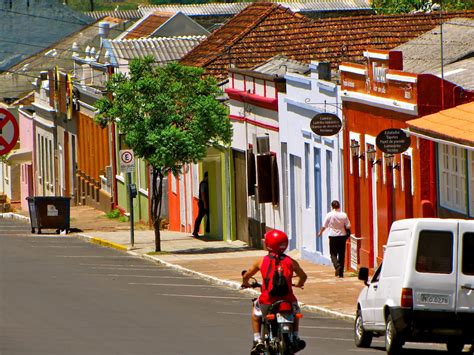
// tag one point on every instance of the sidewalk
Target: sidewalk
(218, 261)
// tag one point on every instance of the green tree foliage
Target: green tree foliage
(405, 6)
(170, 116)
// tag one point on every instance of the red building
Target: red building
(380, 188)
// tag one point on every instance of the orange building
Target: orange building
(381, 188)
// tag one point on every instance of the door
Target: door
(368, 311)
(295, 203)
(318, 198)
(375, 228)
(465, 284)
(240, 196)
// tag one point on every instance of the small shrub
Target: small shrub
(113, 214)
(123, 219)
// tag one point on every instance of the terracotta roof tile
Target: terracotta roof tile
(455, 124)
(148, 25)
(264, 30)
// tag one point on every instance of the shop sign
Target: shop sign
(326, 124)
(393, 141)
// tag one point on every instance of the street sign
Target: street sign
(9, 131)
(393, 141)
(127, 161)
(326, 124)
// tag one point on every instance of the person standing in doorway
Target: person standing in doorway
(338, 225)
(203, 206)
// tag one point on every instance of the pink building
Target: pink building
(24, 154)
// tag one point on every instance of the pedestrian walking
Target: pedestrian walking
(203, 205)
(338, 225)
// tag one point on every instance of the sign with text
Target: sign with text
(393, 141)
(9, 131)
(127, 161)
(326, 124)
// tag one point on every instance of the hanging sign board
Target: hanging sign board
(393, 141)
(326, 124)
(9, 131)
(127, 161)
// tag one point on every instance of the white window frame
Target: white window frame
(195, 180)
(451, 182)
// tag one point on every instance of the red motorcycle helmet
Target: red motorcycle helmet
(276, 241)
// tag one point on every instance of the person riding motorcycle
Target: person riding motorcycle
(276, 242)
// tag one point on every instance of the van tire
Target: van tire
(455, 346)
(393, 341)
(362, 338)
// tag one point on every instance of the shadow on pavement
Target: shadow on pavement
(211, 250)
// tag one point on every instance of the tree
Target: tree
(170, 116)
(405, 6)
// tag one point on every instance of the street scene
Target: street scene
(250, 177)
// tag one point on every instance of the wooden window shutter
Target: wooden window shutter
(275, 181)
(264, 176)
(251, 173)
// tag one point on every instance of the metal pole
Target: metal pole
(442, 54)
(129, 183)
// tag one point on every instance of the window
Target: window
(376, 276)
(142, 175)
(468, 254)
(307, 175)
(435, 252)
(452, 165)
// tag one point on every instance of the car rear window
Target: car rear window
(468, 254)
(435, 252)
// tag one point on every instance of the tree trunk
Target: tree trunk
(156, 197)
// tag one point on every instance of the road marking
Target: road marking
(58, 246)
(324, 338)
(333, 328)
(125, 268)
(95, 256)
(150, 276)
(198, 296)
(121, 265)
(176, 285)
(236, 313)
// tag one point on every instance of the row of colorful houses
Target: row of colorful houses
(277, 173)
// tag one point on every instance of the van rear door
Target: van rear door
(434, 282)
(465, 282)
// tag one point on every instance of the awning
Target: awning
(455, 126)
(22, 155)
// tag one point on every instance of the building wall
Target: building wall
(27, 168)
(320, 176)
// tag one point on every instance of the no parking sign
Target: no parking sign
(127, 161)
(9, 131)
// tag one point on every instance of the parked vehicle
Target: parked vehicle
(277, 327)
(424, 289)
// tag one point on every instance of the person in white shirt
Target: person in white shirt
(337, 223)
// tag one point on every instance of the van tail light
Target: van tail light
(407, 298)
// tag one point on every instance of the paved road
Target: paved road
(61, 295)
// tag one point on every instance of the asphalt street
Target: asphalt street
(62, 295)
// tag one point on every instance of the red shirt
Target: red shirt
(287, 266)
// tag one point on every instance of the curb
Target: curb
(101, 242)
(12, 215)
(226, 283)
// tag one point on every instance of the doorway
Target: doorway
(240, 196)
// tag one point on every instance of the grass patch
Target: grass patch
(123, 219)
(113, 214)
(158, 253)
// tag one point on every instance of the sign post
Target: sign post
(127, 165)
(9, 131)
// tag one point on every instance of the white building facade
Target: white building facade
(312, 164)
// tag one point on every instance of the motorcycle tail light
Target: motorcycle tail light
(270, 316)
(299, 315)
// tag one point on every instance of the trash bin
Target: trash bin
(49, 212)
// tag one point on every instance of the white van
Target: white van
(424, 289)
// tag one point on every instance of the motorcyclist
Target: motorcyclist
(276, 242)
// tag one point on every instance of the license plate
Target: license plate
(434, 299)
(285, 318)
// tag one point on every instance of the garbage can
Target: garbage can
(49, 212)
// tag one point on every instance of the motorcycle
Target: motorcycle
(278, 327)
